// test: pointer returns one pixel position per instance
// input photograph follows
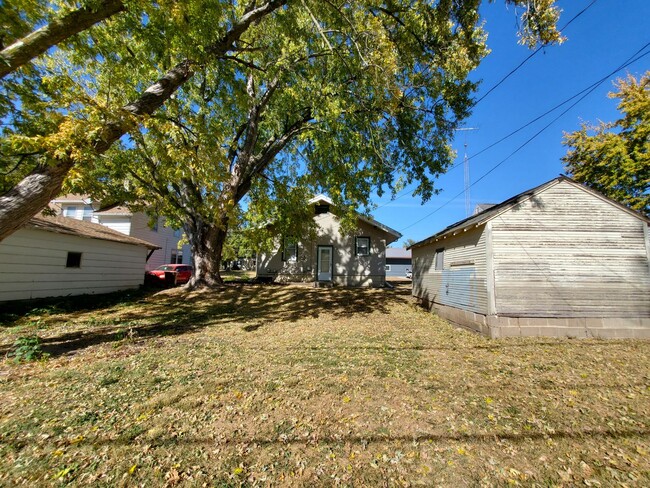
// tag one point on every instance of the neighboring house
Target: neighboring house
(398, 261)
(58, 256)
(132, 224)
(333, 257)
(557, 260)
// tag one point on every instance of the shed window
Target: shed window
(70, 211)
(74, 260)
(362, 246)
(290, 250)
(388, 267)
(439, 259)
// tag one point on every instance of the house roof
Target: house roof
(368, 220)
(73, 198)
(80, 228)
(397, 253)
(118, 210)
(492, 212)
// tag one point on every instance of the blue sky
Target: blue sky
(600, 40)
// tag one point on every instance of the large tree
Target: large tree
(614, 157)
(56, 121)
(347, 98)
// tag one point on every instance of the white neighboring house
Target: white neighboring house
(59, 256)
(132, 224)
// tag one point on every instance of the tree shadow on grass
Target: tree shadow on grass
(176, 312)
(517, 438)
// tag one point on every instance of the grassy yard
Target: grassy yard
(287, 385)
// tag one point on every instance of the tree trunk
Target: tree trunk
(36, 43)
(206, 244)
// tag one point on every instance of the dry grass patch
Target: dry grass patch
(263, 385)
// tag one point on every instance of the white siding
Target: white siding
(568, 253)
(163, 237)
(462, 281)
(119, 223)
(33, 264)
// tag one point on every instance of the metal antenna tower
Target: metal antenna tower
(468, 204)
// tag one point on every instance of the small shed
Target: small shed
(398, 262)
(59, 256)
(557, 260)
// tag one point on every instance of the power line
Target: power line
(406, 191)
(529, 140)
(514, 70)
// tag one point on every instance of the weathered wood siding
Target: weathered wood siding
(33, 264)
(567, 253)
(462, 281)
(348, 269)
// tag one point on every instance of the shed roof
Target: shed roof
(490, 213)
(368, 220)
(70, 226)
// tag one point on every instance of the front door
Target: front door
(324, 263)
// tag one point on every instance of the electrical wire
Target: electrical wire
(592, 88)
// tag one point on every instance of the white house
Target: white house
(557, 260)
(59, 256)
(350, 259)
(134, 224)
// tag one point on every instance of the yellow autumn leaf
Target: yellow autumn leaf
(133, 468)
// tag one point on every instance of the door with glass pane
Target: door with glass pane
(324, 263)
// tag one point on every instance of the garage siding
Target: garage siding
(33, 264)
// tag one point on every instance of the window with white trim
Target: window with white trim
(70, 211)
(387, 267)
(290, 250)
(362, 246)
(88, 213)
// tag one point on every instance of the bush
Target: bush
(28, 348)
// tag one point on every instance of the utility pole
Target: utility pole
(468, 204)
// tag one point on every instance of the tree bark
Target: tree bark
(35, 191)
(36, 43)
(206, 244)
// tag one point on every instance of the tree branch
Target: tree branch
(35, 191)
(36, 43)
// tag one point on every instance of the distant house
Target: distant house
(398, 262)
(557, 260)
(131, 224)
(356, 259)
(58, 256)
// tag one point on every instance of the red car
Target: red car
(181, 272)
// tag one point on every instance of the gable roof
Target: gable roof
(492, 212)
(80, 228)
(115, 210)
(367, 220)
